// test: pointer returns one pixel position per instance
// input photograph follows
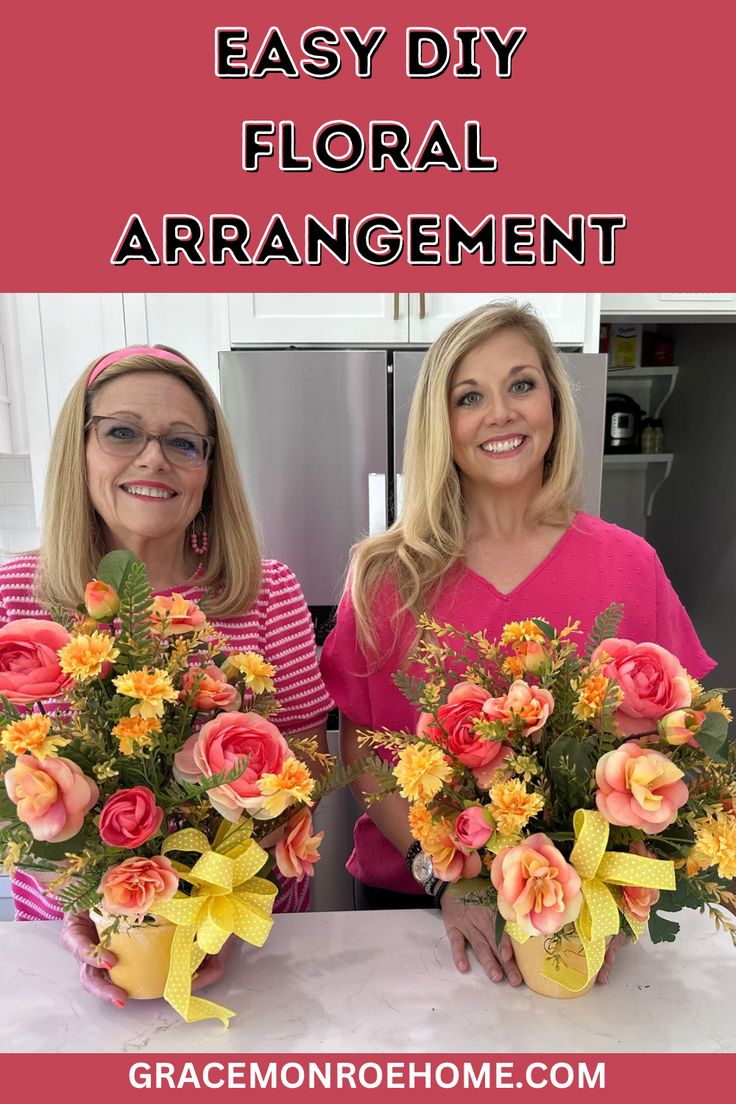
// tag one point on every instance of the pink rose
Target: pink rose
(451, 858)
(681, 727)
(462, 711)
(473, 827)
(639, 788)
(130, 817)
(652, 680)
(531, 704)
(537, 888)
(297, 851)
(214, 691)
(51, 796)
(177, 613)
(138, 885)
(223, 743)
(101, 600)
(29, 664)
(636, 900)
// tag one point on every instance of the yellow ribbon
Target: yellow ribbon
(599, 916)
(227, 899)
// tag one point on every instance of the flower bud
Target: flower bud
(101, 600)
(681, 726)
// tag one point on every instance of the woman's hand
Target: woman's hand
(79, 937)
(612, 950)
(474, 924)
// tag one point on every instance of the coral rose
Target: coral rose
(455, 731)
(652, 680)
(51, 796)
(223, 743)
(637, 901)
(137, 885)
(639, 788)
(130, 817)
(681, 727)
(30, 670)
(537, 888)
(530, 704)
(177, 614)
(101, 601)
(297, 851)
(214, 691)
(451, 858)
(474, 827)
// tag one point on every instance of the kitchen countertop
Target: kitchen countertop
(379, 982)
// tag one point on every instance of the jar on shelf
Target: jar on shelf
(658, 435)
(647, 436)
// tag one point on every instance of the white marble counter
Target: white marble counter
(378, 982)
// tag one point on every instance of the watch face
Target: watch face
(421, 867)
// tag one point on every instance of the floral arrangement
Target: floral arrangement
(592, 790)
(130, 742)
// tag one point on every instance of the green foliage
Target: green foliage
(115, 567)
(135, 642)
(571, 768)
(544, 627)
(605, 625)
(713, 737)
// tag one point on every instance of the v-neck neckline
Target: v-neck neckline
(532, 574)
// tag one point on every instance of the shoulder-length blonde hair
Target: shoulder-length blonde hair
(72, 541)
(429, 536)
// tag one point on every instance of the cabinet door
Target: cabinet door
(565, 315)
(342, 319)
(196, 325)
(669, 303)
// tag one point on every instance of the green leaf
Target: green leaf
(606, 625)
(548, 631)
(500, 928)
(114, 568)
(662, 930)
(571, 764)
(57, 851)
(7, 808)
(713, 737)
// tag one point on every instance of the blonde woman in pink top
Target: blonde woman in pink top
(142, 459)
(490, 532)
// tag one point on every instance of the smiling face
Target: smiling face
(501, 416)
(145, 497)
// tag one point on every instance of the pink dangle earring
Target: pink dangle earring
(200, 542)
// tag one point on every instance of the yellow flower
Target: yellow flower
(513, 806)
(30, 735)
(521, 630)
(420, 772)
(135, 733)
(257, 673)
(591, 697)
(715, 844)
(695, 687)
(86, 654)
(513, 666)
(13, 855)
(420, 821)
(152, 688)
(292, 783)
(715, 705)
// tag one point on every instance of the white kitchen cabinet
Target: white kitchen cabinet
(336, 319)
(567, 316)
(674, 305)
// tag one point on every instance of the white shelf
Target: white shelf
(636, 459)
(655, 372)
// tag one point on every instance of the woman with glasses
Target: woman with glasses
(142, 459)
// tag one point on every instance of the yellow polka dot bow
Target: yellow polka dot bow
(598, 921)
(227, 899)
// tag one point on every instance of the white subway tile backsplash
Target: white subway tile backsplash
(17, 517)
(14, 469)
(13, 541)
(16, 494)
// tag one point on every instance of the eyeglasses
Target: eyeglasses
(182, 448)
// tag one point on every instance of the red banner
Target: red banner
(192, 146)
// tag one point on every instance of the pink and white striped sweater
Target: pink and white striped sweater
(277, 625)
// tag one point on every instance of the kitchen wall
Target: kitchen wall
(693, 524)
(18, 530)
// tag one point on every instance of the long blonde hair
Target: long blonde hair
(429, 536)
(72, 541)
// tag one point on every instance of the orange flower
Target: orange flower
(591, 697)
(517, 631)
(31, 735)
(175, 614)
(135, 732)
(292, 783)
(513, 806)
(298, 851)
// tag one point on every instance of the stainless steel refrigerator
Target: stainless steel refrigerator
(320, 437)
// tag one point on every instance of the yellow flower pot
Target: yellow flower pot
(143, 952)
(532, 956)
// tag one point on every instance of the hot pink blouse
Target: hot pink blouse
(592, 565)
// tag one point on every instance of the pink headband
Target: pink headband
(130, 350)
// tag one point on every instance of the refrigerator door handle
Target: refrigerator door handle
(376, 503)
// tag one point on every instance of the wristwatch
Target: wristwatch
(421, 868)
